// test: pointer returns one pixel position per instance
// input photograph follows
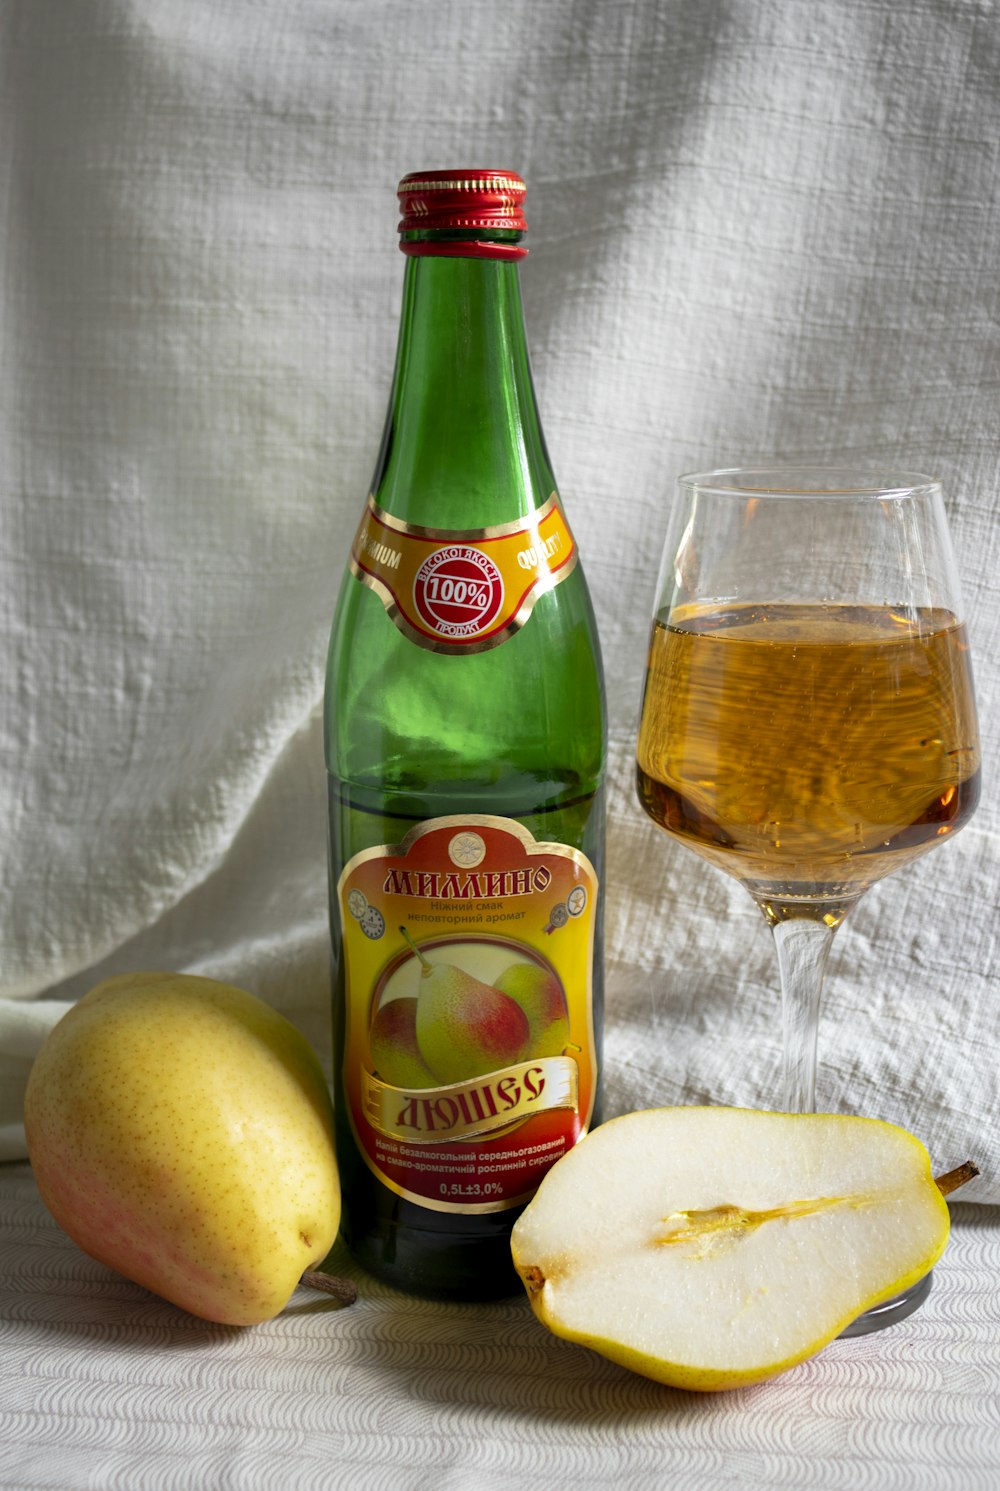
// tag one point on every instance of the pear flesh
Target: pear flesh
(710, 1248)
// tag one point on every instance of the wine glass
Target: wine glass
(808, 721)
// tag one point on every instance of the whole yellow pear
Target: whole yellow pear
(180, 1130)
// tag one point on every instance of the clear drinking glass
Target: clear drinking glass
(808, 720)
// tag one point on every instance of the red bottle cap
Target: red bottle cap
(462, 201)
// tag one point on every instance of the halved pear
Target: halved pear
(710, 1248)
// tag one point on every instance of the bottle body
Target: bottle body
(465, 755)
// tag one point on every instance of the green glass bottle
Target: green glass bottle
(465, 747)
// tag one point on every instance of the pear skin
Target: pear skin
(466, 1028)
(540, 995)
(393, 1046)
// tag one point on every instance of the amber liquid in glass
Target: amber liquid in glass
(808, 749)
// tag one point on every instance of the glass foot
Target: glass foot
(890, 1311)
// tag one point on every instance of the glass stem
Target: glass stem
(803, 948)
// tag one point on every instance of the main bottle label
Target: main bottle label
(462, 591)
(469, 1054)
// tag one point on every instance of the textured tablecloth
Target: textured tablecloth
(105, 1388)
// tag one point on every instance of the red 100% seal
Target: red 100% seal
(458, 591)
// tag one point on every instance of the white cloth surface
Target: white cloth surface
(103, 1385)
(758, 230)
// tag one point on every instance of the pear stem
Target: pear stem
(425, 966)
(341, 1289)
(955, 1178)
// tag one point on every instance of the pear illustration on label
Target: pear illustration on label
(465, 1028)
(392, 1043)
(540, 995)
(468, 1062)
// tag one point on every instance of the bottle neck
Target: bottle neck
(463, 445)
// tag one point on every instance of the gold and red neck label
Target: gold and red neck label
(464, 590)
(469, 1058)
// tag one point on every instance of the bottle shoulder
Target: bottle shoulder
(532, 705)
(558, 627)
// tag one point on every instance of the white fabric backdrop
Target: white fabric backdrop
(758, 230)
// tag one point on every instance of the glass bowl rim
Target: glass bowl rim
(861, 482)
